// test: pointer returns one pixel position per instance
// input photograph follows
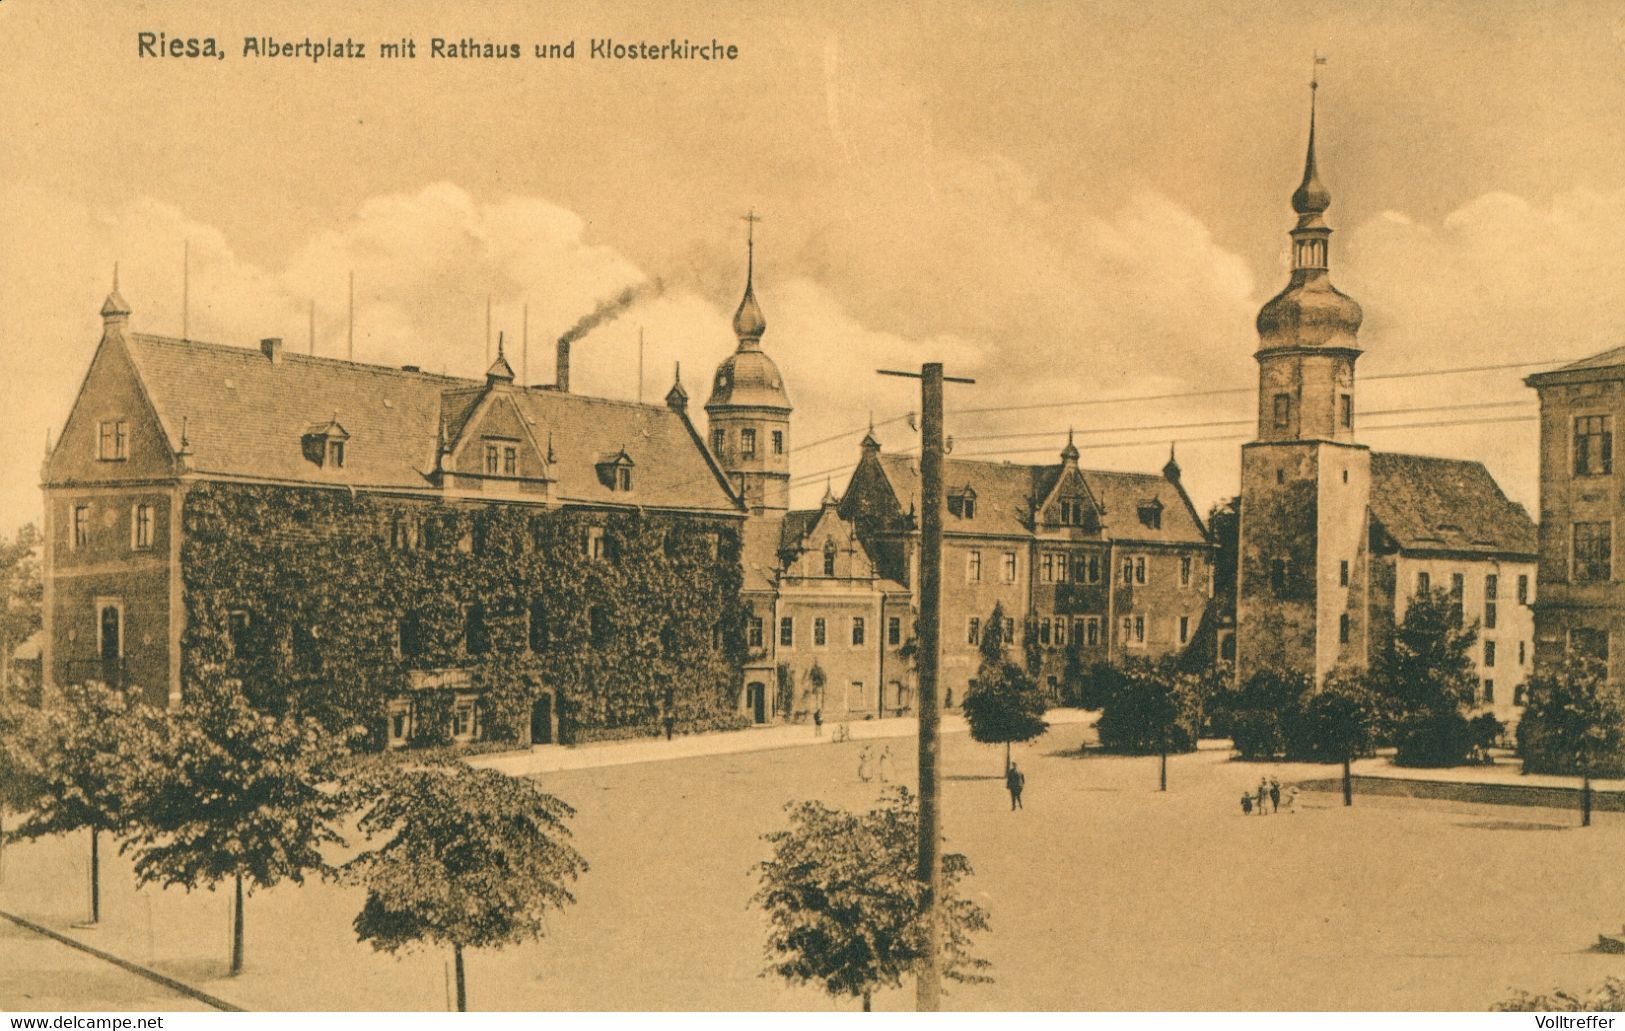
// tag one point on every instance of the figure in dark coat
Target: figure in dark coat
(1015, 780)
(1275, 795)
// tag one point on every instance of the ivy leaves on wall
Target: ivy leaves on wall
(325, 601)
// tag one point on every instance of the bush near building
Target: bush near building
(1426, 679)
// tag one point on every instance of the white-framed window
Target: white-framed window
(510, 460)
(857, 631)
(787, 631)
(894, 631)
(718, 438)
(1009, 567)
(1593, 552)
(597, 549)
(141, 527)
(1343, 573)
(1043, 633)
(974, 631)
(1062, 561)
(493, 459)
(1139, 629)
(973, 567)
(1060, 633)
(1593, 445)
(400, 722)
(1046, 568)
(747, 443)
(79, 528)
(110, 628)
(465, 719)
(1091, 630)
(1424, 583)
(753, 632)
(820, 632)
(113, 440)
(778, 442)
(1134, 569)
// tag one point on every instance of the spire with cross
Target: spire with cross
(749, 325)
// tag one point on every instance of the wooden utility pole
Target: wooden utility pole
(928, 979)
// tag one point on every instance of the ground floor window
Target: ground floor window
(399, 719)
(464, 719)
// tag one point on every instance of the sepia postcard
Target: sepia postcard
(815, 507)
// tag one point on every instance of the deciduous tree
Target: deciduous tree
(845, 903)
(236, 794)
(1005, 704)
(1574, 724)
(468, 859)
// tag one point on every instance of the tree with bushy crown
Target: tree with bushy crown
(97, 742)
(236, 794)
(846, 906)
(1339, 722)
(1005, 704)
(1426, 679)
(23, 740)
(470, 859)
(1152, 708)
(1573, 724)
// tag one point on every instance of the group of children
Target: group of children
(1268, 798)
(869, 766)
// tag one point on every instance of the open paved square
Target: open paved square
(1104, 894)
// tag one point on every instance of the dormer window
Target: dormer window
(1151, 514)
(829, 558)
(113, 440)
(1071, 511)
(501, 457)
(615, 471)
(962, 503)
(325, 444)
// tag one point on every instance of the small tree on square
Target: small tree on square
(469, 859)
(1152, 709)
(845, 904)
(1574, 724)
(1339, 722)
(236, 794)
(1005, 704)
(96, 744)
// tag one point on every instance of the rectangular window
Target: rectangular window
(1523, 589)
(753, 633)
(1489, 615)
(974, 636)
(1345, 406)
(1047, 568)
(81, 526)
(1043, 633)
(141, 527)
(973, 567)
(1060, 633)
(240, 624)
(1489, 691)
(1343, 573)
(1593, 445)
(1489, 653)
(1091, 630)
(747, 443)
(820, 632)
(1184, 629)
(510, 460)
(463, 719)
(1060, 568)
(492, 460)
(113, 440)
(717, 437)
(536, 625)
(1094, 570)
(1593, 552)
(857, 630)
(1458, 586)
(894, 631)
(1492, 587)
(335, 454)
(787, 631)
(1522, 654)
(1139, 629)
(1589, 642)
(778, 442)
(1139, 570)
(1283, 411)
(475, 640)
(1424, 583)
(1009, 567)
(1343, 628)
(1184, 571)
(1009, 629)
(409, 636)
(597, 547)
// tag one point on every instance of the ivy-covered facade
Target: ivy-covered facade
(429, 557)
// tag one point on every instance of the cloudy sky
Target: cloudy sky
(1072, 202)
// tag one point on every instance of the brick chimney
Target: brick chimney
(272, 348)
(561, 377)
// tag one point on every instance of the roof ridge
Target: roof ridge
(294, 356)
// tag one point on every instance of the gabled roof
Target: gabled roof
(246, 415)
(796, 525)
(1612, 359)
(1006, 495)
(1444, 504)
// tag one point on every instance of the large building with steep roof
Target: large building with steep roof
(466, 497)
(1335, 538)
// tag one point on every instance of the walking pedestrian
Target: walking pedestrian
(818, 723)
(1292, 798)
(1246, 803)
(1275, 795)
(1015, 780)
(884, 766)
(1263, 793)
(864, 761)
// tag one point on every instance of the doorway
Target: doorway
(541, 720)
(756, 702)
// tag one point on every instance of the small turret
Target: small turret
(115, 310)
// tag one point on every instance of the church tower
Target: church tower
(1302, 579)
(749, 409)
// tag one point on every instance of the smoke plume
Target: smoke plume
(613, 308)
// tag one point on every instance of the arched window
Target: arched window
(829, 558)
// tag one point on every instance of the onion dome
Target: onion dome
(748, 377)
(1311, 197)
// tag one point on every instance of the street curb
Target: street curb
(1541, 796)
(134, 968)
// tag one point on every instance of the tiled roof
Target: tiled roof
(1443, 504)
(1006, 494)
(796, 525)
(1606, 359)
(245, 416)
